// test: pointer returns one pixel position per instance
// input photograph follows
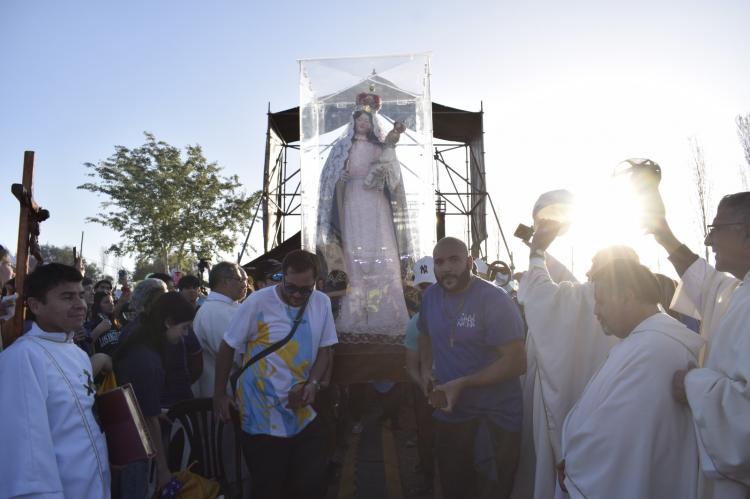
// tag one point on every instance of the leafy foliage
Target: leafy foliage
(146, 265)
(164, 205)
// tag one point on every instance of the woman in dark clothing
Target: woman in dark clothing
(140, 361)
(103, 330)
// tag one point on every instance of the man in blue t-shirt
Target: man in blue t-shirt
(474, 333)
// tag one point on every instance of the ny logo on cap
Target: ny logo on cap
(423, 269)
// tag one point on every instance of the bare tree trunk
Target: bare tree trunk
(743, 177)
(743, 130)
(702, 186)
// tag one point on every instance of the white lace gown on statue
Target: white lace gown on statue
(374, 303)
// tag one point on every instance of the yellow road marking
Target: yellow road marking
(347, 484)
(390, 463)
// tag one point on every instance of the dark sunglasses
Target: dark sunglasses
(277, 277)
(291, 289)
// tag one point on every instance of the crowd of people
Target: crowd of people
(629, 385)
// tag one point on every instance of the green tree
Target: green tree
(166, 207)
(64, 254)
(146, 265)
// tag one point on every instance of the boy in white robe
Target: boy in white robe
(718, 394)
(565, 346)
(52, 447)
(626, 437)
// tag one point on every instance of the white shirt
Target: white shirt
(210, 324)
(627, 437)
(51, 445)
(263, 389)
(719, 393)
(565, 346)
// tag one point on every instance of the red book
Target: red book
(128, 439)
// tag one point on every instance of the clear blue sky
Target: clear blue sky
(569, 88)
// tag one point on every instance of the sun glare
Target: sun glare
(607, 215)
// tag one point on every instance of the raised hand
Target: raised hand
(546, 232)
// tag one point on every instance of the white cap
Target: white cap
(481, 267)
(554, 205)
(424, 271)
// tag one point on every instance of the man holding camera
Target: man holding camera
(286, 332)
(565, 346)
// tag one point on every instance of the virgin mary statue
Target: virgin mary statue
(363, 226)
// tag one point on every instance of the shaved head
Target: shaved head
(451, 243)
(452, 264)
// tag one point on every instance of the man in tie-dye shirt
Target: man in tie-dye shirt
(284, 446)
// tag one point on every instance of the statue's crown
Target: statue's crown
(369, 103)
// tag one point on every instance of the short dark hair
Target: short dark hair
(87, 281)
(739, 203)
(300, 261)
(48, 276)
(4, 251)
(623, 274)
(103, 281)
(189, 281)
(166, 278)
(219, 272)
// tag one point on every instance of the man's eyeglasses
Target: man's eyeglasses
(291, 289)
(712, 228)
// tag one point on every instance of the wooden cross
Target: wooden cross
(31, 215)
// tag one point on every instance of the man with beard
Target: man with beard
(474, 333)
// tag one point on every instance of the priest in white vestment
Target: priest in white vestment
(228, 283)
(565, 346)
(50, 444)
(718, 394)
(626, 437)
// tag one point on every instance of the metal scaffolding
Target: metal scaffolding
(459, 173)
